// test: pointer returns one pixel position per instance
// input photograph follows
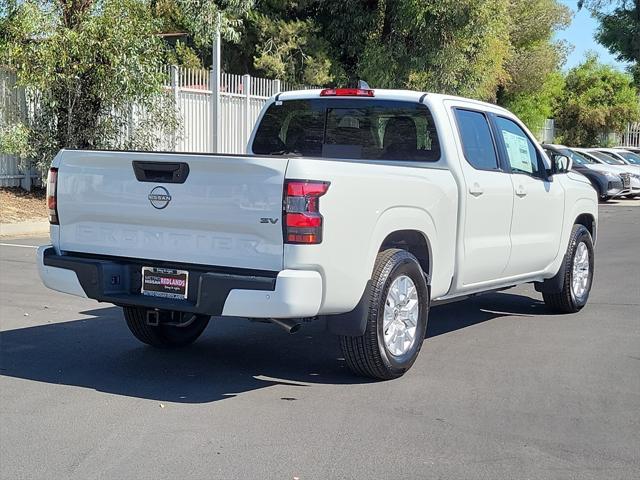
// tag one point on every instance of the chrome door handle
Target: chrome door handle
(476, 190)
(521, 191)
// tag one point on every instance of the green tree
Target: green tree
(199, 21)
(84, 64)
(535, 53)
(479, 48)
(444, 46)
(619, 29)
(533, 107)
(488, 50)
(273, 38)
(282, 39)
(597, 100)
(533, 81)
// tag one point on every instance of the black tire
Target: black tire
(163, 336)
(367, 355)
(630, 197)
(566, 301)
(604, 198)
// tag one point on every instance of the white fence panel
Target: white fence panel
(195, 109)
(631, 136)
(232, 121)
(11, 98)
(241, 100)
(10, 175)
(548, 131)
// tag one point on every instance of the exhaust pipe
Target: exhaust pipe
(291, 325)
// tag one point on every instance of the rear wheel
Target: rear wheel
(578, 274)
(397, 319)
(164, 328)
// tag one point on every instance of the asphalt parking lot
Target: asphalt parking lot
(501, 390)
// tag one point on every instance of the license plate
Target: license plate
(165, 282)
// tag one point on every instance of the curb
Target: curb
(24, 228)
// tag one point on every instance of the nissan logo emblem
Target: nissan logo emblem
(159, 197)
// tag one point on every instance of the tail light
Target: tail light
(52, 195)
(302, 220)
(347, 92)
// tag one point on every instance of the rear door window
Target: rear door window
(350, 129)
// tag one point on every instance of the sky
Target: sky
(580, 35)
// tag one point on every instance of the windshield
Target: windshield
(576, 157)
(348, 128)
(630, 157)
(606, 158)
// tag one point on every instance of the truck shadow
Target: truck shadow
(233, 356)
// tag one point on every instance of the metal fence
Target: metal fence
(13, 105)
(219, 120)
(547, 133)
(631, 136)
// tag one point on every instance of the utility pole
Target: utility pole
(215, 88)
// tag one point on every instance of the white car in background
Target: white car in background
(625, 156)
(629, 173)
(635, 150)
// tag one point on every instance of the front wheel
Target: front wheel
(578, 274)
(397, 319)
(164, 328)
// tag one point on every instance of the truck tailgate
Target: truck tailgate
(226, 212)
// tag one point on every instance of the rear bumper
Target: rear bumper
(289, 294)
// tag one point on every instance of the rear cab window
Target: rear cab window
(477, 140)
(350, 129)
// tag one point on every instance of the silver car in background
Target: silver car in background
(629, 173)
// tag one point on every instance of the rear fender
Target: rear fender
(395, 219)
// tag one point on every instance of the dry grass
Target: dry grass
(16, 205)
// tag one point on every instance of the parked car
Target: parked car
(629, 174)
(630, 158)
(358, 206)
(604, 157)
(606, 183)
(635, 150)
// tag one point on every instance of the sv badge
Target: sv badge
(272, 221)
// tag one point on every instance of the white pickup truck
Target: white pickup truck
(361, 207)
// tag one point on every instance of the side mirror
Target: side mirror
(561, 164)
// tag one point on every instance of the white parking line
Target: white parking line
(17, 245)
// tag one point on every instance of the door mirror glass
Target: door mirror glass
(561, 163)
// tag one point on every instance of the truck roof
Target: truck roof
(389, 94)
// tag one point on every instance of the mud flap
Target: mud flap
(353, 323)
